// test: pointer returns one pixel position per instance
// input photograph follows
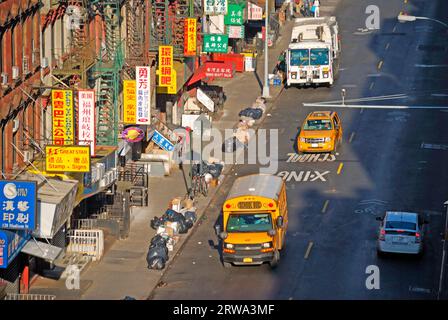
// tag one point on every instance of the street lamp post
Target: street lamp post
(405, 18)
(266, 54)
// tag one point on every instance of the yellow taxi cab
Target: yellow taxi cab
(321, 132)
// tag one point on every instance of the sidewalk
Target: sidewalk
(123, 271)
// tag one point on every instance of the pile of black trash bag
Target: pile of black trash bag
(254, 113)
(214, 169)
(158, 253)
(170, 215)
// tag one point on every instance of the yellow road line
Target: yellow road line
(371, 85)
(351, 137)
(380, 65)
(308, 250)
(325, 206)
(340, 168)
(387, 46)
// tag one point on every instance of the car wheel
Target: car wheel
(274, 263)
(227, 265)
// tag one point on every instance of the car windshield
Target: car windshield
(300, 57)
(249, 222)
(401, 225)
(319, 124)
(319, 57)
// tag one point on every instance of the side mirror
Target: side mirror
(223, 235)
(379, 218)
(217, 229)
(279, 222)
(272, 232)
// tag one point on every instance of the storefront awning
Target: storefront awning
(41, 250)
(212, 69)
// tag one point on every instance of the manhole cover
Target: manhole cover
(431, 47)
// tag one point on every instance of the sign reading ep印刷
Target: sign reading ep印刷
(18, 200)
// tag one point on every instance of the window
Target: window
(249, 222)
(319, 124)
(319, 57)
(299, 57)
(401, 225)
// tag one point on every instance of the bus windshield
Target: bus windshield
(319, 57)
(300, 57)
(248, 222)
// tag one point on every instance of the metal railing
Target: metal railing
(22, 296)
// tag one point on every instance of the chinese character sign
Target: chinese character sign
(234, 15)
(143, 94)
(11, 243)
(215, 7)
(219, 70)
(254, 12)
(235, 32)
(86, 118)
(67, 158)
(215, 43)
(190, 37)
(129, 102)
(162, 142)
(165, 65)
(18, 204)
(63, 120)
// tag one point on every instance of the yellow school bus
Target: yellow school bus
(255, 219)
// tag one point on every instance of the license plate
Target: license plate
(314, 145)
(247, 260)
(399, 240)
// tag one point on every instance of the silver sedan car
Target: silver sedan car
(401, 232)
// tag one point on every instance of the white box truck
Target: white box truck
(312, 57)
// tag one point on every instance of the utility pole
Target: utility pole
(266, 53)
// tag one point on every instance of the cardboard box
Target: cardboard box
(176, 204)
(172, 225)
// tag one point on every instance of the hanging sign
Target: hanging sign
(234, 15)
(129, 102)
(63, 119)
(143, 78)
(215, 7)
(190, 37)
(215, 43)
(254, 12)
(67, 158)
(86, 119)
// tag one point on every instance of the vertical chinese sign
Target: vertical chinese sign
(129, 102)
(167, 74)
(190, 37)
(63, 117)
(143, 94)
(254, 12)
(215, 7)
(18, 200)
(86, 119)
(234, 15)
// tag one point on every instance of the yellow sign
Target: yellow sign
(129, 102)
(67, 158)
(165, 66)
(63, 117)
(171, 89)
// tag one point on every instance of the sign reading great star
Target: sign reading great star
(18, 200)
(67, 158)
(215, 43)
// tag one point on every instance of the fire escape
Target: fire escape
(167, 24)
(135, 42)
(107, 73)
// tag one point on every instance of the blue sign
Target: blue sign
(162, 142)
(11, 243)
(18, 204)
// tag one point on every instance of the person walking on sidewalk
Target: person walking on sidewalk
(316, 6)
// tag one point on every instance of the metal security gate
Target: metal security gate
(86, 242)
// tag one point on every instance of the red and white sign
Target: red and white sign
(219, 70)
(86, 119)
(254, 12)
(143, 76)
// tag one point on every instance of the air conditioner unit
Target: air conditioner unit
(16, 124)
(28, 155)
(15, 73)
(4, 79)
(26, 65)
(44, 62)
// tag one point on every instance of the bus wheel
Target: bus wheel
(227, 265)
(275, 260)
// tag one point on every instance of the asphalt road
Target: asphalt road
(391, 160)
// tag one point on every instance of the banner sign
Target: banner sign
(67, 158)
(63, 117)
(143, 78)
(11, 243)
(133, 134)
(86, 119)
(129, 102)
(190, 37)
(215, 43)
(219, 70)
(234, 15)
(162, 142)
(205, 100)
(165, 65)
(254, 12)
(235, 32)
(215, 7)
(18, 200)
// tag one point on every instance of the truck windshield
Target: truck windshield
(319, 57)
(300, 57)
(248, 222)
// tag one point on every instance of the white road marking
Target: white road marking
(371, 85)
(431, 65)
(372, 201)
(357, 106)
(303, 176)
(308, 250)
(417, 289)
(374, 75)
(318, 157)
(439, 95)
(434, 146)
(349, 85)
(351, 137)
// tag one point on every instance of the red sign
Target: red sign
(219, 69)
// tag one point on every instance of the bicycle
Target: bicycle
(198, 183)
